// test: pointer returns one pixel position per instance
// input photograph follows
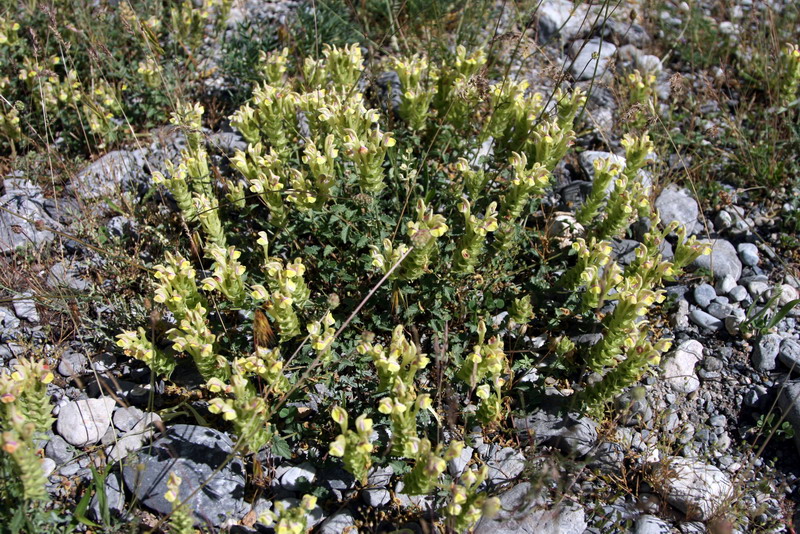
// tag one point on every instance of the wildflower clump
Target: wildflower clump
(25, 416)
(410, 219)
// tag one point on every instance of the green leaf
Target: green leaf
(80, 510)
(783, 312)
(399, 467)
(280, 447)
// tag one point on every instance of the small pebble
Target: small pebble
(704, 294)
(748, 253)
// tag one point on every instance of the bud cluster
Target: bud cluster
(353, 446)
(397, 369)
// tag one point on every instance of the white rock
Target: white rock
(675, 204)
(592, 58)
(48, 466)
(679, 365)
(84, 422)
(126, 418)
(559, 17)
(648, 63)
(695, 488)
(788, 294)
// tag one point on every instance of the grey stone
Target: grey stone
(748, 253)
(754, 397)
(718, 420)
(226, 142)
(789, 354)
(59, 450)
(723, 259)
(723, 220)
(405, 500)
(121, 226)
(72, 468)
(338, 481)
(650, 524)
(24, 220)
(705, 320)
(591, 58)
(72, 363)
(766, 351)
(571, 433)
(202, 458)
(457, 465)
(84, 422)
(720, 311)
(110, 437)
(341, 522)
(607, 456)
(738, 294)
(756, 288)
(693, 487)
(380, 477)
(676, 204)
(135, 438)
(725, 284)
(376, 497)
(108, 175)
(62, 275)
(295, 477)
(126, 418)
(25, 307)
(521, 512)
(679, 365)
(704, 294)
(8, 320)
(504, 464)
